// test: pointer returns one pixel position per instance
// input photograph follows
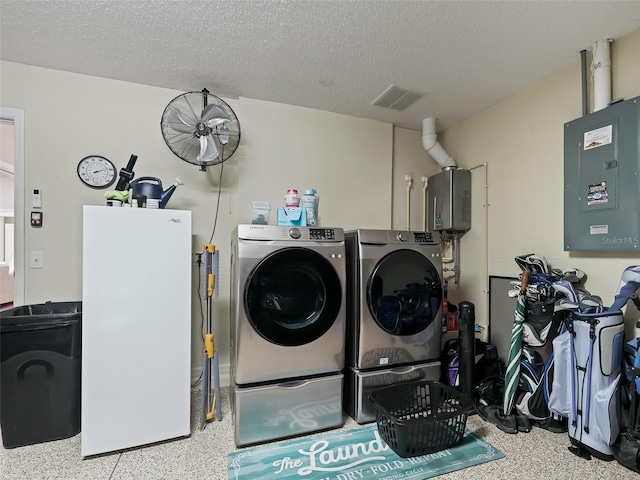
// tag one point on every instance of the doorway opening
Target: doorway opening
(11, 207)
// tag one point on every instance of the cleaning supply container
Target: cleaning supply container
(310, 204)
(292, 198)
(260, 213)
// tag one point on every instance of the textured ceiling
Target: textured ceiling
(333, 55)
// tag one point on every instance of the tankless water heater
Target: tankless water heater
(449, 201)
(601, 179)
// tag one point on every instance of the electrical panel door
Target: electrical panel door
(602, 185)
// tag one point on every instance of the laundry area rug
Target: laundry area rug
(353, 454)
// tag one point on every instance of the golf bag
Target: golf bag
(541, 326)
(630, 380)
(586, 383)
(627, 449)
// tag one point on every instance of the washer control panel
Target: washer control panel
(423, 237)
(289, 233)
(322, 234)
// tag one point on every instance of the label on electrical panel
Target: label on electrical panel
(598, 229)
(598, 137)
(597, 194)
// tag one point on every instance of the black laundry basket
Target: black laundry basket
(418, 418)
(40, 353)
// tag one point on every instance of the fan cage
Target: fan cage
(186, 145)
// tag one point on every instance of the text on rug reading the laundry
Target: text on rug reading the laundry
(323, 459)
(320, 458)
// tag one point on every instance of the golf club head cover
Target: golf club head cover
(629, 283)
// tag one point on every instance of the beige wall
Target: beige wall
(358, 167)
(69, 116)
(347, 159)
(521, 141)
(410, 158)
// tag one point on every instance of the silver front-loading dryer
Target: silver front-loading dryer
(288, 309)
(394, 319)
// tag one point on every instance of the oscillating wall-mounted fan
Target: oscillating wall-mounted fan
(200, 128)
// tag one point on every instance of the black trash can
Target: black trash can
(40, 352)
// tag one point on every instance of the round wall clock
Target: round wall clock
(96, 171)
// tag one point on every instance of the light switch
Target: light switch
(37, 260)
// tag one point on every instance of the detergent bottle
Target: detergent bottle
(310, 203)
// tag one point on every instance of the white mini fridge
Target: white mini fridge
(136, 327)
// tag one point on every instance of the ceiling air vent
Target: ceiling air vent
(397, 98)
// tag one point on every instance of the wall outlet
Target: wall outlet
(37, 260)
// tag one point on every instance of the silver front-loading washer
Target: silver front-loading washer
(394, 319)
(288, 308)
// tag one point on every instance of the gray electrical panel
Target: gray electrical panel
(449, 201)
(602, 185)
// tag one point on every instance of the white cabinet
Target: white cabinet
(136, 327)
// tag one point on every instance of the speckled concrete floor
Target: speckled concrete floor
(535, 455)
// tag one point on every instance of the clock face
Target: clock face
(96, 171)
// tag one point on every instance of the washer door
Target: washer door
(404, 292)
(293, 296)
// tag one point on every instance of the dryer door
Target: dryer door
(404, 292)
(293, 296)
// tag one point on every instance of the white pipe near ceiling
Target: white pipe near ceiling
(601, 71)
(433, 148)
